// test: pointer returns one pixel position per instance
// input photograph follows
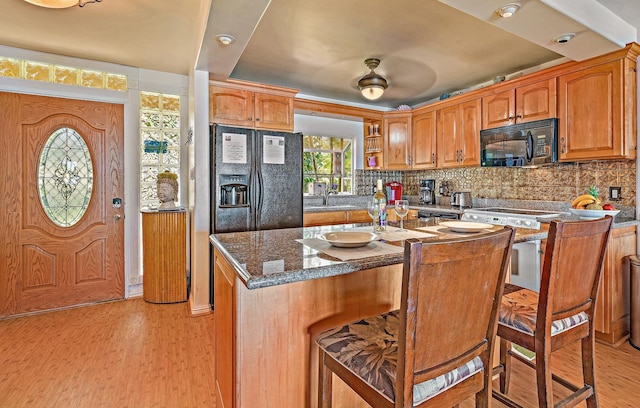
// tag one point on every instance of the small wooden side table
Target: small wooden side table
(164, 242)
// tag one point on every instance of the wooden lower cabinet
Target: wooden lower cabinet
(312, 219)
(612, 306)
(266, 356)
(357, 216)
(392, 216)
(224, 331)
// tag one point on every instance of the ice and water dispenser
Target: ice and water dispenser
(233, 190)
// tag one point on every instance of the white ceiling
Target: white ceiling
(426, 47)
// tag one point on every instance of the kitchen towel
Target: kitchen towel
(374, 248)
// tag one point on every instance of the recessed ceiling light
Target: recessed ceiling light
(225, 39)
(564, 38)
(508, 10)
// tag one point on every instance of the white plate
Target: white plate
(348, 239)
(592, 214)
(465, 226)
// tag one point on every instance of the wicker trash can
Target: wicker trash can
(634, 313)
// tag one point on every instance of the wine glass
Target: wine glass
(402, 209)
(372, 210)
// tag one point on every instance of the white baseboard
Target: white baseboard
(199, 309)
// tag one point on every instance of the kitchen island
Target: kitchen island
(273, 296)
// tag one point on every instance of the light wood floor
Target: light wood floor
(617, 377)
(121, 354)
(136, 354)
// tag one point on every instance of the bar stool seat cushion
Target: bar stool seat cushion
(519, 309)
(369, 349)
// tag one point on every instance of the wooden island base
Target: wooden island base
(266, 354)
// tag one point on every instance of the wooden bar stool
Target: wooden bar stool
(560, 314)
(436, 349)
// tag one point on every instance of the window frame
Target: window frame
(335, 179)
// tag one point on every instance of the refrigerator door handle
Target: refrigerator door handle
(260, 198)
(253, 203)
(256, 180)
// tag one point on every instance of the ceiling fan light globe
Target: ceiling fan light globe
(372, 85)
(372, 92)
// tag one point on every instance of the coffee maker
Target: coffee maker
(394, 192)
(427, 192)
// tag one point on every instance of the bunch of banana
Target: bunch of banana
(584, 200)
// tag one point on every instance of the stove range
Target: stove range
(514, 217)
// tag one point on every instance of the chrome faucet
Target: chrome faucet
(325, 195)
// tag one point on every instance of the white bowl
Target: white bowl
(348, 239)
(465, 226)
(592, 214)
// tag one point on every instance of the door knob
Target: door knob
(117, 217)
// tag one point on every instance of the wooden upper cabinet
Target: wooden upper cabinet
(397, 141)
(470, 132)
(423, 140)
(458, 134)
(536, 101)
(231, 106)
(447, 137)
(498, 109)
(253, 106)
(525, 103)
(591, 114)
(273, 112)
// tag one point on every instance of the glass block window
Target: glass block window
(328, 159)
(38, 71)
(65, 177)
(159, 142)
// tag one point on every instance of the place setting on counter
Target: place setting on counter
(360, 242)
(459, 228)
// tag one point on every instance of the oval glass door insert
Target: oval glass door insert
(65, 177)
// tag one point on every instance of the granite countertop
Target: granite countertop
(274, 257)
(346, 203)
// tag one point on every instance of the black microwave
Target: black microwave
(528, 144)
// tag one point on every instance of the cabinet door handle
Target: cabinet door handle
(562, 145)
(257, 119)
(433, 158)
(249, 118)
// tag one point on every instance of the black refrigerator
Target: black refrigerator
(256, 180)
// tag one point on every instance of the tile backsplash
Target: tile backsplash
(558, 182)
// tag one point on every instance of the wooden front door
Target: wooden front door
(62, 168)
